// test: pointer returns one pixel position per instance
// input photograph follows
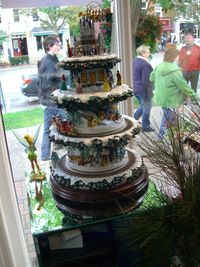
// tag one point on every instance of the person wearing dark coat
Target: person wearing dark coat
(143, 88)
(49, 77)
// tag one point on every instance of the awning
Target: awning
(39, 31)
(18, 34)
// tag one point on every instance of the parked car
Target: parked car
(29, 85)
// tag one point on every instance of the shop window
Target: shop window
(144, 4)
(16, 14)
(39, 42)
(34, 14)
(18, 169)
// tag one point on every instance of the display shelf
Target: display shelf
(99, 245)
(50, 220)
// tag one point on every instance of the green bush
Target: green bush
(148, 31)
(19, 60)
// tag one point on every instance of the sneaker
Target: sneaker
(149, 129)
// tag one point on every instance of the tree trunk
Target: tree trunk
(135, 15)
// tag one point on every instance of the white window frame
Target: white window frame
(13, 247)
(144, 2)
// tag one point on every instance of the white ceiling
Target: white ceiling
(42, 3)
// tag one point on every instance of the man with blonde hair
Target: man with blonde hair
(142, 86)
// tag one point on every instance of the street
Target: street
(11, 96)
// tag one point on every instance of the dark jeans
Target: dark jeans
(143, 110)
(49, 113)
(192, 77)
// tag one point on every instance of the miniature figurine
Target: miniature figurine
(37, 176)
(65, 127)
(119, 78)
(93, 51)
(79, 88)
(69, 49)
(29, 143)
(31, 151)
(92, 122)
(63, 86)
(106, 85)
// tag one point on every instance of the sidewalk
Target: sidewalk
(20, 165)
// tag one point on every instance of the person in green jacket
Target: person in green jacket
(171, 89)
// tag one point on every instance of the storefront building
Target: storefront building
(25, 35)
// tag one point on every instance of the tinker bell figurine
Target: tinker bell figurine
(37, 174)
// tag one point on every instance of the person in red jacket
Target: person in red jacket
(189, 61)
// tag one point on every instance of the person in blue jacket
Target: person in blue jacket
(143, 88)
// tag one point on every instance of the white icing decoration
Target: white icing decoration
(108, 178)
(108, 127)
(59, 96)
(88, 140)
(91, 58)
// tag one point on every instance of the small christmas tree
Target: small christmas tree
(63, 86)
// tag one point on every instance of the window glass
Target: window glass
(34, 13)
(21, 113)
(16, 14)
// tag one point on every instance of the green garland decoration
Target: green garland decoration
(98, 186)
(94, 102)
(116, 142)
(78, 65)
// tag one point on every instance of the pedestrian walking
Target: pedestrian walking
(163, 43)
(49, 80)
(174, 41)
(142, 86)
(171, 89)
(189, 61)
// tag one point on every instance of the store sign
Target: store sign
(42, 3)
(166, 24)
